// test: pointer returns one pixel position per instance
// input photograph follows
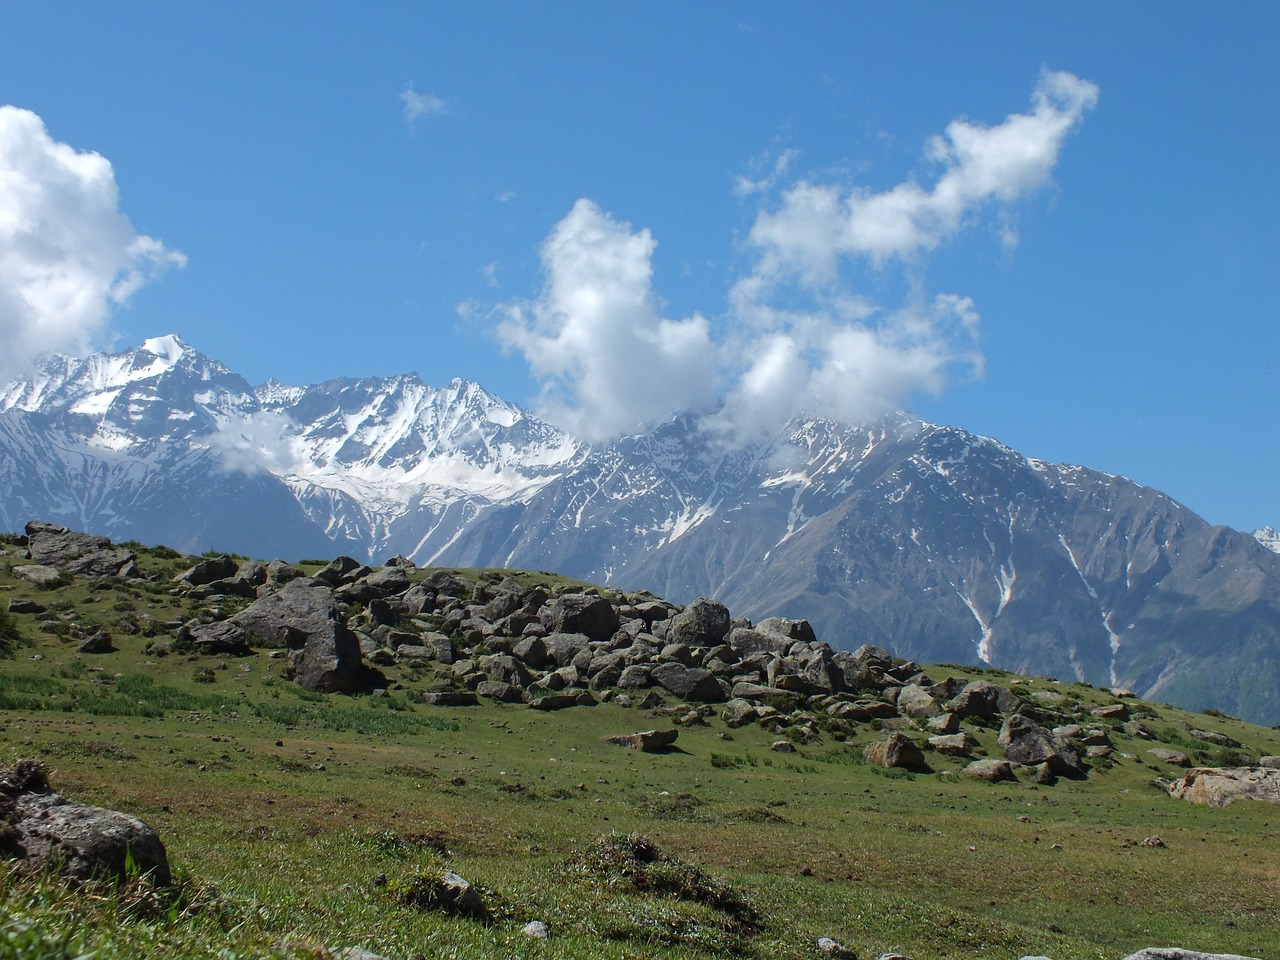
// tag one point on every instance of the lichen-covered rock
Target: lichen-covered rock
(1026, 742)
(1220, 786)
(897, 751)
(82, 554)
(40, 830)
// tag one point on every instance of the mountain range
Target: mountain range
(940, 544)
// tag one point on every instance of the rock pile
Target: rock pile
(494, 639)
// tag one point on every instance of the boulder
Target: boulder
(691, 684)
(982, 699)
(649, 741)
(25, 605)
(97, 642)
(897, 751)
(1220, 786)
(800, 630)
(42, 830)
(953, 744)
(747, 641)
(303, 617)
(82, 554)
(342, 570)
(1026, 742)
(990, 771)
(915, 701)
(39, 575)
(583, 613)
(704, 623)
(208, 571)
(1166, 755)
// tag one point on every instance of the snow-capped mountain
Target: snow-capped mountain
(1268, 537)
(944, 546)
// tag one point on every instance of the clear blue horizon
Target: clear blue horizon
(1058, 228)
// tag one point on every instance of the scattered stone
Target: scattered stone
(536, 929)
(953, 744)
(42, 830)
(449, 698)
(1166, 755)
(1113, 711)
(25, 605)
(649, 741)
(782, 746)
(447, 892)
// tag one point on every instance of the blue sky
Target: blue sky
(599, 209)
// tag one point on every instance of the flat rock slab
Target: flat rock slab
(650, 741)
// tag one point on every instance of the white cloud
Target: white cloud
(764, 171)
(799, 339)
(420, 104)
(608, 361)
(68, 256)
(817, 224)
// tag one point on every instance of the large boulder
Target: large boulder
(983, 699)
(1026, 742)
(208, 570)
(82, 554)
(303, 617)
(1220, 786)
(585, 613)
(691, 684)
(42, 830)
(704, 623)
(897, 751)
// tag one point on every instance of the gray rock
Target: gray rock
(449, 698)
(43, 830)
(1220, 786)
(1176, 953)
(584, 613)
(1175, 757)
(341, 571)
(1026, 742)
(38, 575)
(897, 751)
(82, 554)
(97, 642)
(981, 698)
(800, 630)
(649, 741)
(953, 744)
(691, 684)
(833, 948)
(536, 929)
(208, 571)
(914, 701)
(989, 770)
(303, 617)
(25, 605)
(704, 623)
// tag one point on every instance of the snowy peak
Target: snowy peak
(1268, 537)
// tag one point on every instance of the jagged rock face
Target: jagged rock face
(1219, 787)
(944, 546)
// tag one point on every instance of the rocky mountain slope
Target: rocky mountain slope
(941, 545)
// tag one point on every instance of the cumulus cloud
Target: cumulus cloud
(420, 104)
(68, 256)
(798, 339)
(608, 360)
(818, 224)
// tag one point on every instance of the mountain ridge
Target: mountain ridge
(936, 542)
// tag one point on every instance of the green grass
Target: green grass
(296, 820)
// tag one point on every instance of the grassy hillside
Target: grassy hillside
(301, 822)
